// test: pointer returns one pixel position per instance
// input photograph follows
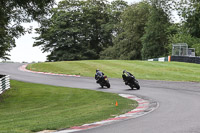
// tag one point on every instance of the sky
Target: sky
(24, 50)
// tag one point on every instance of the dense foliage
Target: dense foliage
(15, 12)
(79, 29)
(98, 29)
(155, 39)
(127, 43)
(189, 10)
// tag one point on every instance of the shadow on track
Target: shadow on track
(131, 90)
(104, 88)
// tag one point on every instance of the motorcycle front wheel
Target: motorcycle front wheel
(108, 85)
(136, 84)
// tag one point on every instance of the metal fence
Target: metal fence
(4, 83)
(181, 49)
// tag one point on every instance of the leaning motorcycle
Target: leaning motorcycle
(103, 81)
(131, 81)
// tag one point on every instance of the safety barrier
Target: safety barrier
(4, 83)
(186, 59)
(162, 59)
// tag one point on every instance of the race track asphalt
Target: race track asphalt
(179, 102)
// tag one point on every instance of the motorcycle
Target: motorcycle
(131, 81)
(103, 81)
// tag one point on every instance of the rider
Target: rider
(126, 76)
(98, 75)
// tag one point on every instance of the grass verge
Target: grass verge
(171, 71)
(29, 107)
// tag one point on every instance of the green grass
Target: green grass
(28, 107)
(171, 71)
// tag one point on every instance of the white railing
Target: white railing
(4, 83)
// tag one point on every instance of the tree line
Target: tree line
(98, 29)
(15, 12)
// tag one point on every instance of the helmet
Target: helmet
(97, 70)
(124, 71)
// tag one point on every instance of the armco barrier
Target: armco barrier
(4, 83)
(186, 59)
(162, 59)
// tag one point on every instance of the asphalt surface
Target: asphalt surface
(179, 102)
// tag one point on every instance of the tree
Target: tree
(155, 39)
(189, 10)
(116, 9)
(127, 44)
(15, 12)
(77, 30)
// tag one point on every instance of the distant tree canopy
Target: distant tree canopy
(143, 32)
(127, 43)
(155, 38)
(188, 30)
(79, 29)
(15, 12)
(98, 29)
(190, 11)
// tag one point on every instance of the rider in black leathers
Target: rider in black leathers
(126, 76)
(98, 75)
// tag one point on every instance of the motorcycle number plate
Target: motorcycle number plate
(106, 79)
